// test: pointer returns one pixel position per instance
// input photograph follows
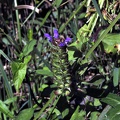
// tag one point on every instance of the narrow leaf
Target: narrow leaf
(116, 76)
(4, 109)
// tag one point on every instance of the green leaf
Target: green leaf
(10, 100)
(43, 87)
(94, 115)
(44, 71)
(112, 99)
(4, 109)
(114, 113)
(4, 55)
(103, 115)
(75, 114)
(65, 112)
(97, 102)
(30, 34)
(116, 72)
(57, 3)
(110, 41)
(5, 40)
(25, 114)
(29, 47)
(81, 38)
(19, 71)
(72, 16)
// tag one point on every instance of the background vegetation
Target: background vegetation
(39, 80)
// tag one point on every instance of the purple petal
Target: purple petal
(56, 34)
(68, 40)
(48, 36)
(62, 44)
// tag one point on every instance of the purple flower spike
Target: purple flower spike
(56, 34)
(68, 40)
(48, 36)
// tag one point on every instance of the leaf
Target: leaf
(25, 114)
(116, 72)
(10, 100)
(112, 99)
(75, 114)
(43, 86)
(63, 26)
(44, 71)
(4, 55)
(114, 113)
(103, 116)
(65, 112)
(29, 47)
(110, 41)
(94, 115)
(81, 38)
(5, 40)
(97, 102)
(4, 109)
(19, 71)
(57, 3)
(30, 34)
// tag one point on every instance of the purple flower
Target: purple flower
(56, 34)
(48, 36)
(56, 37)
(66, 42)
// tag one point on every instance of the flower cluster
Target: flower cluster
(57, 40)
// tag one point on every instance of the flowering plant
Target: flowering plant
(57, 39)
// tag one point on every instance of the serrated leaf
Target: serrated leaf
(111, 99)
(4, 109)
(25, 114)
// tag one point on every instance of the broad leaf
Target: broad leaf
(19, 71)
(112, 99)
(110, 41)
(25, 114)
(114, 113)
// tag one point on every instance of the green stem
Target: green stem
(45, 106)
(18, 22)
(72, 16)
